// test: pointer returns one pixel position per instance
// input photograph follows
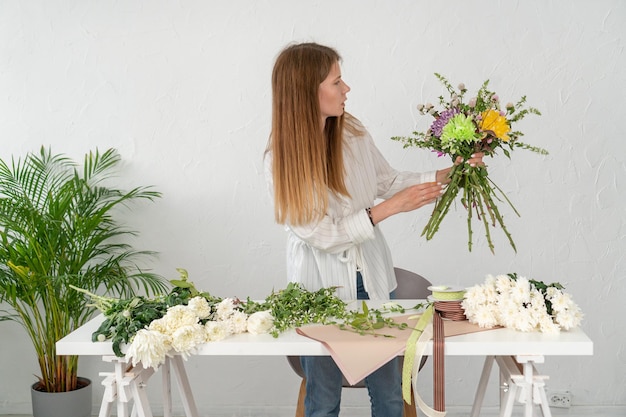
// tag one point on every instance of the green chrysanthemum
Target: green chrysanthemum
(459, 129)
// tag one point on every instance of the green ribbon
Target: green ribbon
(409, 354)
(448, 295)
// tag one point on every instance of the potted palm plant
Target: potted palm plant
(59, 226)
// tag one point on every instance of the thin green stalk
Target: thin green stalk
(442, 206)
(483, 216)
(468, 198)
(498, 217)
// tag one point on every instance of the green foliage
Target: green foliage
(295, 306)
(58, 228)
(291, 307)
(125, 317)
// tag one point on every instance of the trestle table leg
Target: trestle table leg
(482, 386)
(167, 388)
(185, 387)
(521, 382)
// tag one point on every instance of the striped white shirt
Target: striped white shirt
(329, 253)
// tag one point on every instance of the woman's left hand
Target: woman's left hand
(475, 160)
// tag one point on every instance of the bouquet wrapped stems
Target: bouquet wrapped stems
(478, 197)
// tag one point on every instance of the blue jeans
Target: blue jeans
(324, 383)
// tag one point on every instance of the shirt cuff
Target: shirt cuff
(430, 176)
(359, 227)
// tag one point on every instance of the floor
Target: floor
(617, 411)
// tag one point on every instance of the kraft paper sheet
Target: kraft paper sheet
(357, 356)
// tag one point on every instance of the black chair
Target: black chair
(410, 286)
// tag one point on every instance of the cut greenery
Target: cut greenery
(290, 307)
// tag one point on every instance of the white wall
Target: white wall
(182, 89)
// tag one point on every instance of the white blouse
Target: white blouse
(329, 253)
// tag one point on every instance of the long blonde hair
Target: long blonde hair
(307, 160)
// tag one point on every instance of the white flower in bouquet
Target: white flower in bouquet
(521, 304)
(238, 322)
(187, 338)
(216, 330)
(260, 322)
(179, 316)
(567, 313)
(158, 325)
(547, 325)
(225, 309)
(149, 347)
(200, 306)
(484, 316)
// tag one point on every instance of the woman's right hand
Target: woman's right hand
(409, 199)
(417, 196)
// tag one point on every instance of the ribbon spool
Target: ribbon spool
(447, 301)
(445, 293)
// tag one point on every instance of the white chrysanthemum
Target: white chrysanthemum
(238, 322)
(225, 309)
(520, 291)
(503, 283)
(158, 325)
(148, 347)
(552, 292)
(179, 316)
(216, 330)
(185, 339)
(200, 306)
(484, 317)
(547, 325)
(474, 297)
(260, 322)
(517, 304)
(525, 321)
(569, 319)
(468, 306)
(507, 313)
(561, 301)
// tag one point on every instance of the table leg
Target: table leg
(123, 386)
(108, 398)
(528, 365)
(523, 384)
(167, 388)
(185, 388)
(482, 386)
(528, 382)
(545, 408)
(138, 384)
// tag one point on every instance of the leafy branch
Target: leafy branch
(291, 307)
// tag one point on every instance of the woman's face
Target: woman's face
(332, 94)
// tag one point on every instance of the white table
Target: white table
(502, 346)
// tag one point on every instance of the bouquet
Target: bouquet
(521, 304)
(461, 129)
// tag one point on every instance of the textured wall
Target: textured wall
(182, 89)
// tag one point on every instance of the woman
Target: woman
(325, 174)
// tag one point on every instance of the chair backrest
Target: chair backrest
(411, 285)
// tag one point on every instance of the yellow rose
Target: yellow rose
(494, 122)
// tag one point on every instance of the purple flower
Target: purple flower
(442, 120)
